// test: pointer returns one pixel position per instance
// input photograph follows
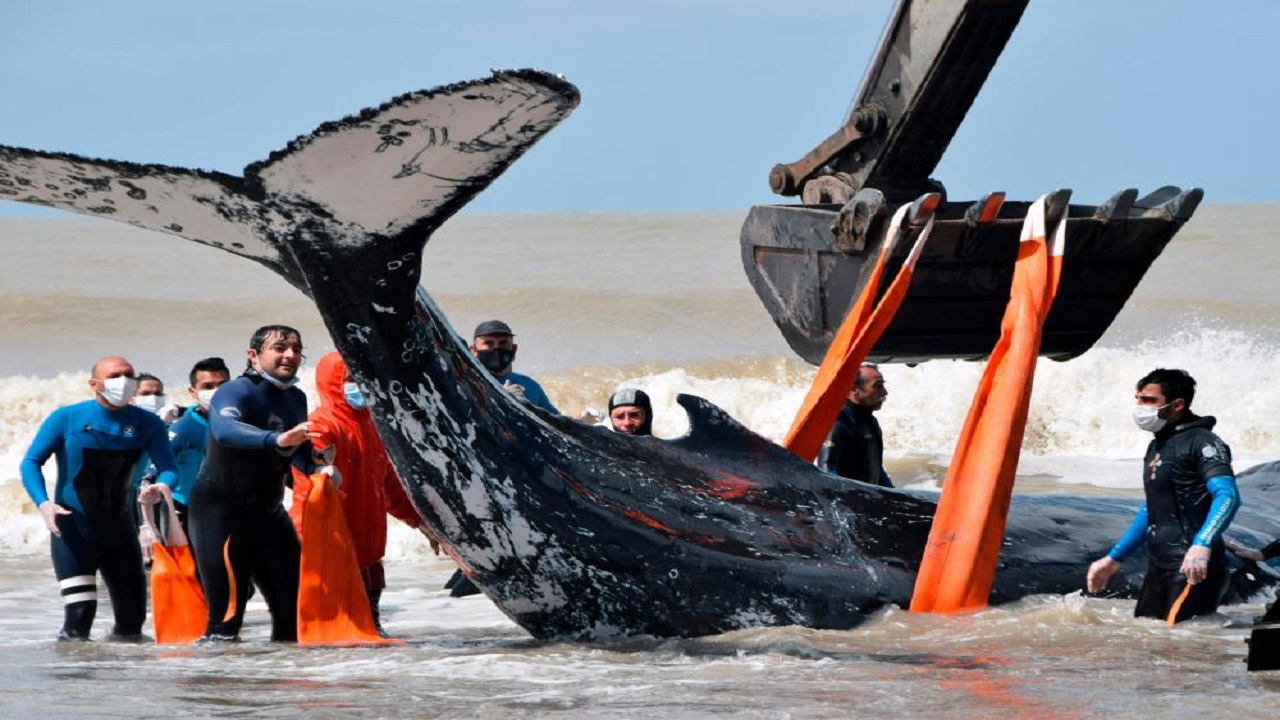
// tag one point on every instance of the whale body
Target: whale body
(573, 531)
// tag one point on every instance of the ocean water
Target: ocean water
(658, 301)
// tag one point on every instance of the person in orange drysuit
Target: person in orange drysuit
(370, 488)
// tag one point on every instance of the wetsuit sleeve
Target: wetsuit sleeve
(181, 440)
(1226, 500)
(1213, 457)
(1132, 538)
(161, 453)
(48, 440)
(226, 424)
(536, 395)
(829, 457)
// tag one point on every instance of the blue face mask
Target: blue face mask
(354, 397)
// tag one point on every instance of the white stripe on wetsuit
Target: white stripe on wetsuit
(81, 588)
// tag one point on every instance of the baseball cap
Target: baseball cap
(492, 327)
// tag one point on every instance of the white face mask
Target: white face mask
(282, 384)
(118, 391)
(150, 403)
(1147, 417)
(204, 397)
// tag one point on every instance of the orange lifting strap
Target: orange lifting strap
(333, 608)
(178, 608)
(862, 327)
(960, 558)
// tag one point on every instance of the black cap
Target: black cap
(492, 327)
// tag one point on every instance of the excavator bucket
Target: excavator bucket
(808, 262)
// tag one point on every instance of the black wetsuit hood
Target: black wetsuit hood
(638, 398)
(1187, 422)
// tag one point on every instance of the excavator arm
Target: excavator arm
(933, 59)
(807, 262)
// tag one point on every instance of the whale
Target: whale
(573, 531)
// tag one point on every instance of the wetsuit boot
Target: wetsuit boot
(453, 579)
(464, 587)
(77, 621)
(374, 578)
(375, 596)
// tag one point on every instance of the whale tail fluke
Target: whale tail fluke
(374, 185)
(412, 162)
(210, 208)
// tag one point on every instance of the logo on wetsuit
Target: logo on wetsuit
(1216, 449)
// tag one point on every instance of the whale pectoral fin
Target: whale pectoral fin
(418, 158)
(207, 207)
(712, 430)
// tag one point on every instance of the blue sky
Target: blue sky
(686, 103)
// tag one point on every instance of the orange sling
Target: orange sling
(333, 608)
(178, 608)
(968, 528)
(858, 333)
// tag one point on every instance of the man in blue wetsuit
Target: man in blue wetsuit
(151, 398)
(1191, 498)
(98, 444)
(494, 346)
(240, 531)
(189, 436)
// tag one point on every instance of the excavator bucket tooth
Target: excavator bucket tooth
(923, 209)
(961, 282)
(1159, 196)
(1118, 206)
(1183, 205)
(1055, 204)
(986, 210)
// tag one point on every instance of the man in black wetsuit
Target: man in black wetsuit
(240, 531)
(855, 447)
(1191, 499)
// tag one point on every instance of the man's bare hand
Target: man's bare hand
(1100, 573)
(49, 510)
(431, 540)
(146, 538)
(150, 494)
(296, 435)
(1195, 565)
